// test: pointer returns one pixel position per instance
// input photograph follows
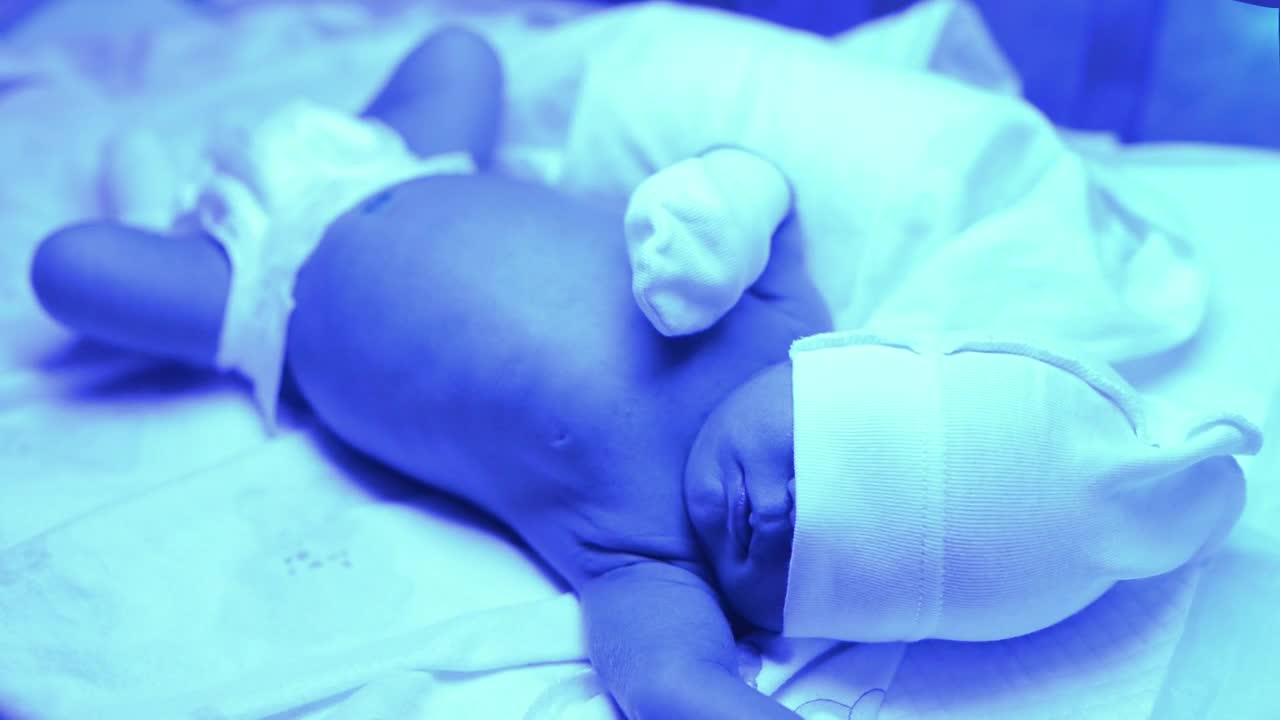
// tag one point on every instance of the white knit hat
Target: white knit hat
(985, 489)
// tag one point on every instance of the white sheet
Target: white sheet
(148, 532)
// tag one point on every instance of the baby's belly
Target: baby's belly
(450, 307)
(478, 331)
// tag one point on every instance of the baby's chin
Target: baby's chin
(756, 589)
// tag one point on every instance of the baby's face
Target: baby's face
(740, 490)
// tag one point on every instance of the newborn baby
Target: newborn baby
(479, 334)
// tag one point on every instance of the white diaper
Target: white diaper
(273, 190)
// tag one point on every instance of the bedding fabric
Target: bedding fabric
(161, 557)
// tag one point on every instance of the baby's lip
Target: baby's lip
(769, 507)
(753, 517)
(739, 501)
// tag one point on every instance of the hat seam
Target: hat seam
(932, 505)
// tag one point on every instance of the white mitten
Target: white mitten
(699, 233)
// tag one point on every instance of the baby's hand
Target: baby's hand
(699, 234)
(662, 645)
(740, 494)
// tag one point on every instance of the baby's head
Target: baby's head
(740, 494)
(948, 486)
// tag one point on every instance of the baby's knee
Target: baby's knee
(453, 48)
(58, 260)
(445, 96)
(451, 56)
(71, 267)
(134, 288)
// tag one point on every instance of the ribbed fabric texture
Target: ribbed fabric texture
(699, 234)
(979, 490)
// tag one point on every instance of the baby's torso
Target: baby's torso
(479, 334)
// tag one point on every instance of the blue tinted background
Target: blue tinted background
(1202, 70)
(1198, 70)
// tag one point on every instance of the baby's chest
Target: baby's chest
(605, 528)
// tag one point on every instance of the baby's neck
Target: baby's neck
(588, 497)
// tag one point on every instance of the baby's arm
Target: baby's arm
(661, 643)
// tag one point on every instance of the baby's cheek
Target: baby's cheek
(704, 485)
(758, 420)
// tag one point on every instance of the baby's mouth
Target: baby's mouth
(750, 521)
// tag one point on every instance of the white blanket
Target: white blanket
(160, 558)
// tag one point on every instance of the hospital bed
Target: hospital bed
(162, 555)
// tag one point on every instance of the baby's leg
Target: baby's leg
(445, 96)
(166, 295)
(134, 288)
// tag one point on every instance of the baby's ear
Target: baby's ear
(699, 233)
(133, 288)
